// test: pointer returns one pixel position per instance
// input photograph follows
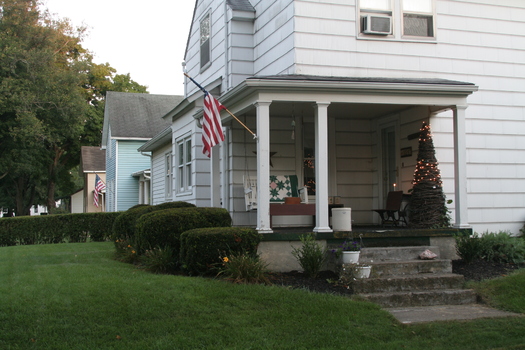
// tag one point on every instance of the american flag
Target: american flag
(212, 126)
(99, 187)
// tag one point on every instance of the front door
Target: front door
(389, 170)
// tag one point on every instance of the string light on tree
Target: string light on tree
(427, 208)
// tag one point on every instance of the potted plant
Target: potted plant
(349, 251)
(352, 272)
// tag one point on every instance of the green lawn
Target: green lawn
(74, 296)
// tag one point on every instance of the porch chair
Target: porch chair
(392, 214)
(280, 187)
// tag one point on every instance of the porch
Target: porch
(350, 138)
(276, 248)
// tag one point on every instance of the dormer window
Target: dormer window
(205, 47)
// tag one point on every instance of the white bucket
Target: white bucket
(342, 219)
(363, 271)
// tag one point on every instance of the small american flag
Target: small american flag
(99, 187)
(212, 126)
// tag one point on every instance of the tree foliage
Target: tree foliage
(51, 103)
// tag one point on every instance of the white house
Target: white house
(335, 91)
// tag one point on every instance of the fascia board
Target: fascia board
(160, 139)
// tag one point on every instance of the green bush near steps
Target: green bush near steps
(202, 249)
(493, 247)
(163, 228)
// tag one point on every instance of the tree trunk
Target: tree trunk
(25, 195)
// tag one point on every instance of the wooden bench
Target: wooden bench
(278, 209)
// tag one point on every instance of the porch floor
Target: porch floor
(369, 235)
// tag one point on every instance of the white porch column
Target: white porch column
(321, 167)
(215, 183)
(141, 192)
(263, 167)
(460, 168)
(147, 192)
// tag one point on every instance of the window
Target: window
(184, 165)
(418, 18)
(397, 19)
(205, 47)
(168, 178)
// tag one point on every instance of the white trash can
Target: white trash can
(342, 219)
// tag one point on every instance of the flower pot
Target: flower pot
(363, 271)
(351, 257)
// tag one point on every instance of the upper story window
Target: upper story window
(397, 19)
(205, 37)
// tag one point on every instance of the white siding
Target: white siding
(158, 172)
(478, 41)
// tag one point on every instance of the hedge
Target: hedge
(202, 248)
(163, 228)
(124, 225)
(58, 228)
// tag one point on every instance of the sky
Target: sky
(146, 39)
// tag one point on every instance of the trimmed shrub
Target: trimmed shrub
(56, 228)
(203, 249)
(163, 228)
(124, 227)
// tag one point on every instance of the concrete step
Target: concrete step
(408, 283)
(422, 298)
(369, 255)
(409, 267)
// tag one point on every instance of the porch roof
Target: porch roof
(299, 77)
(383, 93)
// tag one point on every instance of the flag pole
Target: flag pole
(226, 109)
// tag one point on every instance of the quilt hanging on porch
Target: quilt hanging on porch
(282, 186)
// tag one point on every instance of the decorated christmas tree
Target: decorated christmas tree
(427, 206)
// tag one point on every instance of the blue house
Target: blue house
(130, 120)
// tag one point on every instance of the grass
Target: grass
(506, 293)
(74, 296)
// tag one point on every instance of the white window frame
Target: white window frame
(168, 175)
(184, 158)
(398, 16)
(205, 40)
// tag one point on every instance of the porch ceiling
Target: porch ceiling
(340, 110)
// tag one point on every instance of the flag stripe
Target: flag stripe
(212, 126)
(99, 187)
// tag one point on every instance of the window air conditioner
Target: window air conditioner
(381, 25)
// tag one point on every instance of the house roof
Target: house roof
(93, 159)
(136, 116)
(240, 5)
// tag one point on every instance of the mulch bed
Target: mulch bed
(325, 282)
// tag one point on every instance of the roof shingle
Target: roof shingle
(133, 115)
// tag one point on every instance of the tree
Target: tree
(51, 102)
(427, 206)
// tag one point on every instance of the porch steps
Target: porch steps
(400, 279)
